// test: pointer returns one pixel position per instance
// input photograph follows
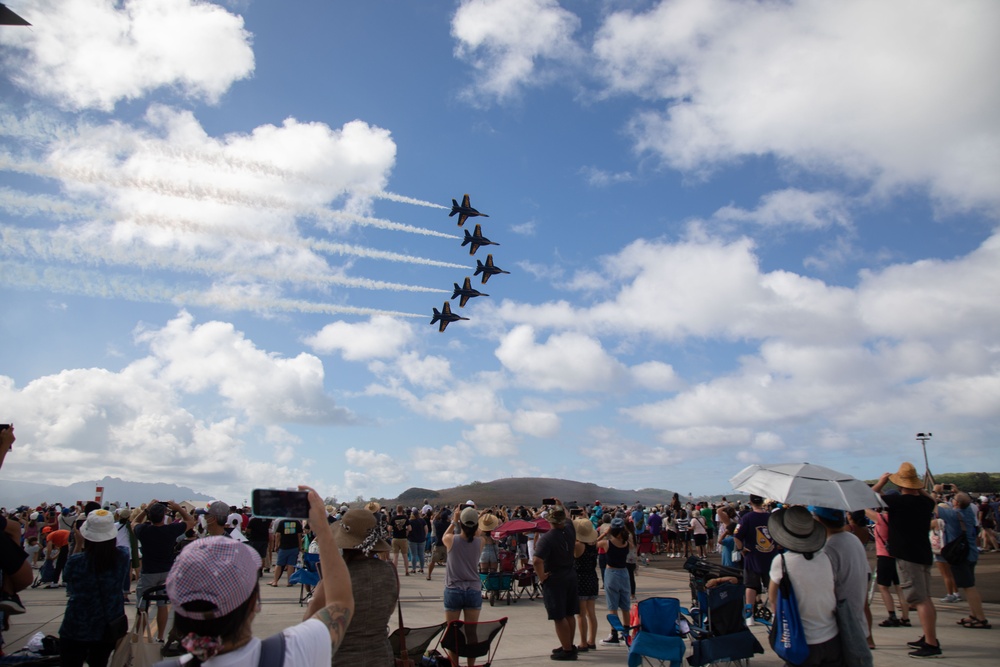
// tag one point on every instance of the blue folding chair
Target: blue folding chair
(306, 574)
(658, 638)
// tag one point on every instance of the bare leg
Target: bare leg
(928, 620)
(975, 602)
(565, 629)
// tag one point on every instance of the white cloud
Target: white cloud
(566, 362)
(655, 375)
(380, 337)
(507, 41)
(536, 423)
(891, 91)
(378, 467)
(492, 440)
(94, 53)
(792, 208)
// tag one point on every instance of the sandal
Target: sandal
(905, 622)
(891, 622)
(980, 623)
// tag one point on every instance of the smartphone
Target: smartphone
(4, 427)
(947, 487)
(280, 504)
(548, 501)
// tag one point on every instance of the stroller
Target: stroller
(718, 629)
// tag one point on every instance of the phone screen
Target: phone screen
(280, 504)
(548, 501)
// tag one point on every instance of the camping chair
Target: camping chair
(472, 640)
(657, 635)
(306, 574)
(416, 639)
(724, 636)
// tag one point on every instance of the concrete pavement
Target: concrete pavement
(529, 637)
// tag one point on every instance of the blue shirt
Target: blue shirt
(952, 527)
(94, 599)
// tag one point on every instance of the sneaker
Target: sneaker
(10, 603)
(927, 651)
(750, 622)
(47, 586)
(610, 640)
(920, 643)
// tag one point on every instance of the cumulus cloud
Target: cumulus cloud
(792, 208)
(378, 338)
(820, 85)
(187, 411)
(93, 53)
(507, 40)
(566, 362)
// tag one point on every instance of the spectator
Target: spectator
(462, 588)
(910, 513)
(555, 567)
(753, 541)
(489, 559)
(214, 589)
(57, 549)
(93, 583)
(886, 576)
(441, 525)
(362, 538)
(397, 527)
(157, 539)
(851, 573)
(288, 535)
(958, 518)
(416, 534)
(585, 553)
(617, 593)
(17, 574)
(811, 575)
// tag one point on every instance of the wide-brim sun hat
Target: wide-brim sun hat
(354, 528)
(99, 527)
(795, 529)
(906, 477)
(373, 507)
(218, 570)
(585, 531)
(488, 523)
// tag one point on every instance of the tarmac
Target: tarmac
(529, 637)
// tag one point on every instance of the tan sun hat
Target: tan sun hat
(906, 477)
(585, 531)
(373, 507)
(358, 529)
(488, 523)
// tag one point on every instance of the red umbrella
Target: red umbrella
(515, 526)
(543, 525)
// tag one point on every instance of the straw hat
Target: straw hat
(795, 529)
(906, 477)
(585, 531)
(99, 526)
(354, 528)
(488, 523)
(373, 507)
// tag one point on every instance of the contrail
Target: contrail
(19, 202)
(407, 200)
(201, 192)
(94, 284)
(73, 248)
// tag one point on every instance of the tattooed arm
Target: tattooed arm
(333, 601)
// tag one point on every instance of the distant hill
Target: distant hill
(14, 493)
(530, 491)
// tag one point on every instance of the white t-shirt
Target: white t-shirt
(306, 645)
(812, 581)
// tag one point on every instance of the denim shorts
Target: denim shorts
(288, 557)
(457, 599)
(617, 589)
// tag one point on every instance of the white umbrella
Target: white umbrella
(806, 484)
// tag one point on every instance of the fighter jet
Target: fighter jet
(466, 292)
(476, 239)
(445, 316)
(487, 269)
(7, 17)
(464, 211)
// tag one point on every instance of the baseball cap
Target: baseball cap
(218, 570)
(469, 516)
(219, 510)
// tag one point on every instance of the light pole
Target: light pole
(923, 438)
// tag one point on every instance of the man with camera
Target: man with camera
(555, 566)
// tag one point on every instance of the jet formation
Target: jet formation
(475, 241)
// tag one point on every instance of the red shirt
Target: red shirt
(58, 538)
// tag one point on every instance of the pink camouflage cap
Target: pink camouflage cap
(218, 570)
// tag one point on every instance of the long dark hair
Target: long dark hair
(226, 627)
(469, 532)
(102, 555)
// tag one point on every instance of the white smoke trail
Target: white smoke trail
(65, 246)
(94, 284)
(21, 203)
(201, 192)
(391, 196)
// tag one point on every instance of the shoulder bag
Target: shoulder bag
(956, 552)
(788, 639)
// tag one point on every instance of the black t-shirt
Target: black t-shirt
(441, 528)
(158, 545)
(556, 548)
(418, 530)
(257, 529)
(288, 534)
(909, 527)
(398, 526)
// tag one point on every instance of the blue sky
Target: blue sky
(737, 232)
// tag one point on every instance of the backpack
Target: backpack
(272, 653)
